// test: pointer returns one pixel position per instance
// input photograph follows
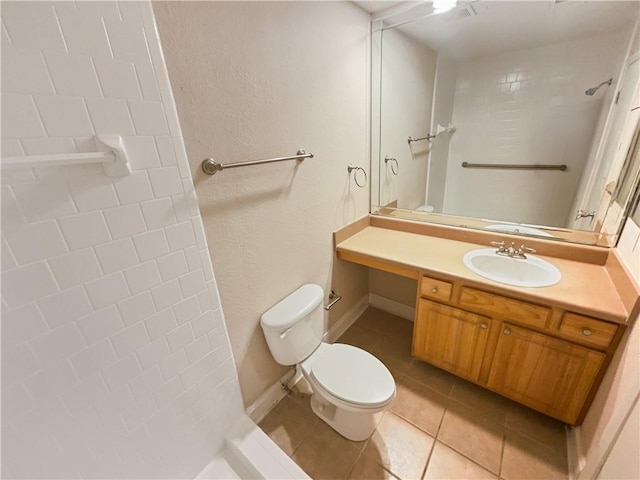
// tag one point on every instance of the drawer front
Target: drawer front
(505, 308)
(587, 330)
(436, 289)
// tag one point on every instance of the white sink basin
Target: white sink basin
(529, 272)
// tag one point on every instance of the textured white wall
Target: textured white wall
(527, 107)
(621, 384)
(115, 356)
(408, 70)
(255, 80)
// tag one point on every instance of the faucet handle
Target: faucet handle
(525, 249)
(497, 244)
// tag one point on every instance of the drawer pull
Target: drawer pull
(506, 331)
(484, 325)
(434, 290)
(586, 332)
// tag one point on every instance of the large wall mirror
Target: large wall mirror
(508, 116)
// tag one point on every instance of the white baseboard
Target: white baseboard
(346, 320)
(575, 453)
(269, 398)
(391, 306)
(272, 395)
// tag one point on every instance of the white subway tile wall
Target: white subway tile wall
(115, 357)
(527, 107)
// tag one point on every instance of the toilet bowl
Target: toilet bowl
(424, 208)
(350, 387)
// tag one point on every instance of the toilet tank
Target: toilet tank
(294, 326)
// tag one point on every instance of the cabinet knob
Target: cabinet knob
(434, 290)
(484, 325)
(506, 331)
(586, 332)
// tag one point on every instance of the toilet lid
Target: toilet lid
(353, 375)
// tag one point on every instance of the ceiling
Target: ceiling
(487, 27)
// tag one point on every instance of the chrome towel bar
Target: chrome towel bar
(210, 166)
(535, 166)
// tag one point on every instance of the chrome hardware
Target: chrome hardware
(393, 161)
(586, 332)
(585, 214)
(335, 297)
(434, 290)
(484, 325)
(210, 166)
(511, 251)
(351, 167)
(535, 166)
(428, 137)
(506, 331)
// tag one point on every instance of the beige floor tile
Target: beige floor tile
(447, 464)
(395, 355)
(288, 424)
(420, 405)
(473, 435)
(324, 454)
(399, 447)
(389, 326)
(539, 427)
(483, 401)
(360, 337)
(368, 469)
(526, 459)
(433, 377)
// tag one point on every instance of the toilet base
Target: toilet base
(355, 426)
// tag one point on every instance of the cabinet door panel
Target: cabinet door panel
(547, 374)
(449, 338)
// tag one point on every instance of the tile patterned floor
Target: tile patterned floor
(438, 427)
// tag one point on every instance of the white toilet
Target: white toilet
(351, 387)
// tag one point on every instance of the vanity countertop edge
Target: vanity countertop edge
(595, 286)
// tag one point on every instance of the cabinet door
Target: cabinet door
(547, 374)
(449, 338)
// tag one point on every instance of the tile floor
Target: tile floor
(438, 426)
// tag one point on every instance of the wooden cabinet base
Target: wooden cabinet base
(545, 358)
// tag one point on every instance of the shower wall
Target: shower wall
(527, 107)
(115, 356)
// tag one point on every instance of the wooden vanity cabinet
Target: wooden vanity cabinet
(542, 357)
(450, 338)
(545, 373)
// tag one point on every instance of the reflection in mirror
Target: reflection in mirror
(502, 115)
(626, 190)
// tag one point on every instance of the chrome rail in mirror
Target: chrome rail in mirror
(504, 83)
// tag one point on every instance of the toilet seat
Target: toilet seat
(351, 375)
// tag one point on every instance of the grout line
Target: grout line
(504, 442)
(60, 29)
(106, 32)
(6, 33)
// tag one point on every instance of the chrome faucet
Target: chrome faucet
(511, 251)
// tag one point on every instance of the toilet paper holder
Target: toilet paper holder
(334, 298)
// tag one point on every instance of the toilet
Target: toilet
(424, 208)
(350, 387)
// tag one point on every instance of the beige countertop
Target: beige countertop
(584, 288)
